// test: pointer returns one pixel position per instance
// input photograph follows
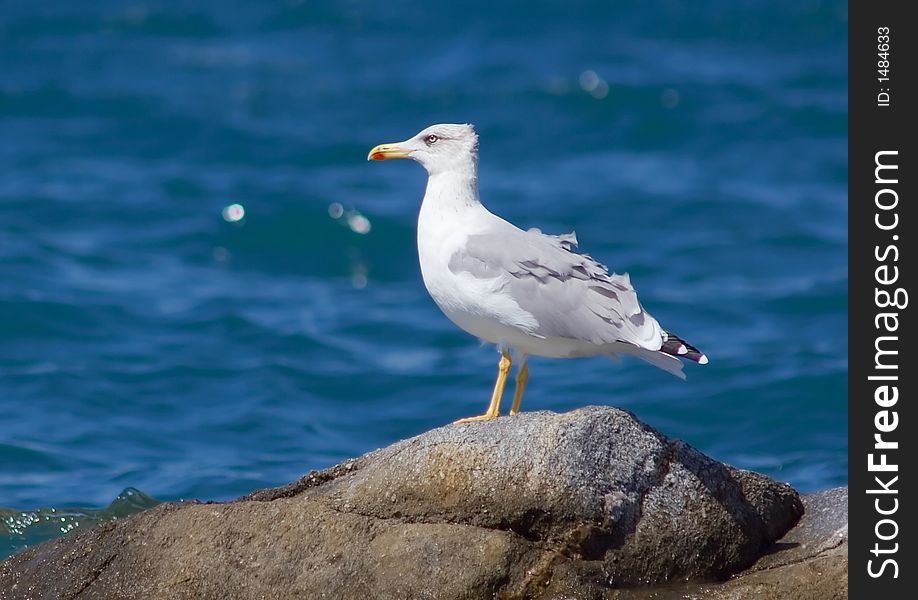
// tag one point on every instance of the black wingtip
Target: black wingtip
(676, 346)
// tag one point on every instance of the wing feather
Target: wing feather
(570, 294)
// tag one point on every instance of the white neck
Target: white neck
(452, 191)
(450, 211)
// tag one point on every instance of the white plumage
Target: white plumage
(521, 290)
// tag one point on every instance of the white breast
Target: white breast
(478, 306)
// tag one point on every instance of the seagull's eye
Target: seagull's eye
(431, 139)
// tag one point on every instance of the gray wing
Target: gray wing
(571, 295)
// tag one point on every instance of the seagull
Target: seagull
(529, 293)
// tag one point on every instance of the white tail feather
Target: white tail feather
(658, 359)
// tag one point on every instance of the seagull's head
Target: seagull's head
(439, 148)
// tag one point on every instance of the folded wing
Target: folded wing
(570, 294)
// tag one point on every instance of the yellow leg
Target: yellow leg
(521, 379)
(503, 368)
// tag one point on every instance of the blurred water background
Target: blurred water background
(158, 341)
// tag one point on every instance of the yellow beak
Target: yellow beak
(384, 151)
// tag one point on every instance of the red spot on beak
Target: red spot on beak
(377, 156)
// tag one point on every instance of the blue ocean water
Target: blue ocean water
(155, 345)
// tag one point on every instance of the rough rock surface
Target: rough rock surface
(810, 562)
(534, 505)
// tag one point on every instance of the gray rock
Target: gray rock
(534, 505)
(809, 563)
(822, 530)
